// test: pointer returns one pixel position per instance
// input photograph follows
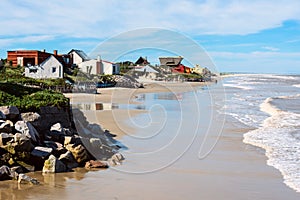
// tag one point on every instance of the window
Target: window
(53, 69)
(32, 70)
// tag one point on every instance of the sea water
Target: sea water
(270, 105)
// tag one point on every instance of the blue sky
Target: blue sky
(243, 36)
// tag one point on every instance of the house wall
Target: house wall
(26, 57)
(46, 69)
(76, 59)
(99, 67)
(108, 68)
(93, 64)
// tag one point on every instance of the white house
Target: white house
(97, 66)
(110, 68)
(78, 56)
(50, 68)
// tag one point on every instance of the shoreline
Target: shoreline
(234, 169)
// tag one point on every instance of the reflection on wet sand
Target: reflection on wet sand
(51, 185)
(106, 106)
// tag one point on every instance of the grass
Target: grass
(14, 92)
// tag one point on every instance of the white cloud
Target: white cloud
(100, 18)
(270, 48)
(25, 39)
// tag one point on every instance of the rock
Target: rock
(31, 117)
(17, 169)
(56, 127)
(23, 178)
(52, 115)
(53, 165)
(6, 126)
(69, 160)
(2, 116)
(27, 129)
(5, 138)
(11, 112)
(41, 152)
(68, 140)
(53, 145)
(6, 173)
(23, 145)
(96, 164)
(25, 166)
(116, 159)
(79, 152)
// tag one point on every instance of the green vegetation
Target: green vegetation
(27, 93)
(125, 66)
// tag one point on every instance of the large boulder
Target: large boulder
(53, 165)
(79, 152)
(23, 145)
(28, 130)
(96, 164)
(41, 152)
(69, 160)
(52, 115)
(32, 117)
(11, 112)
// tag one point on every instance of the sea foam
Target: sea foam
(276, 136)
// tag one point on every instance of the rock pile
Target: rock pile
(28, 142)
(127, 82)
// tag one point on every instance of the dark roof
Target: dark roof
(142, 60)
(81, 54)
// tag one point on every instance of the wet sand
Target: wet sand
(233, 170)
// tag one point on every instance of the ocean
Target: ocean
(270, 106)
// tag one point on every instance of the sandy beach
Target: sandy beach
(232, 170)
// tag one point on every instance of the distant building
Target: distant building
(98, 66)
(142, 61)
(170, 61)
(50, 68)
(78, 56)
(145, 69)
(181, 69)
(33, 57)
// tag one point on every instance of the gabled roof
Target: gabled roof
(142, 60)
(81, 54)
(49, 58)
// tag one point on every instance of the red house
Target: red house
(33, 57)
(181, 69)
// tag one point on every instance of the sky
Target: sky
(258, 36)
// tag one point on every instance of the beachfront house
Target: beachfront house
(145, 71)
(78, 56)
(170, 61)
(98, 66)
(50, 68)
(34, 57)
(142, 61)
